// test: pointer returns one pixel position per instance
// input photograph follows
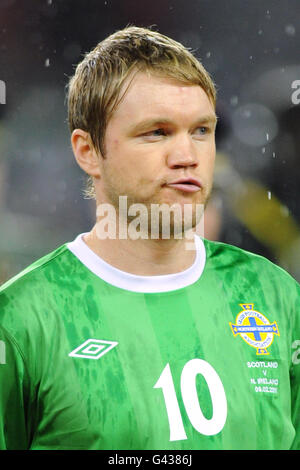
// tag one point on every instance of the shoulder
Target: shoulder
(25, 297)
(37, 268)
(223, 256)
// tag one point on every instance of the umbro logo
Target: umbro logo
(93, 348)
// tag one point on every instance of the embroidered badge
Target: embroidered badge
(254, 328)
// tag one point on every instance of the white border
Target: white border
(133, 282)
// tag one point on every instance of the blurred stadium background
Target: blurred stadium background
(252, 51)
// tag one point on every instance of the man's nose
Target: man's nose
(182, 152)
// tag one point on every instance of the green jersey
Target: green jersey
(92, 357)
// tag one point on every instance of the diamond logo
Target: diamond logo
(93, 348)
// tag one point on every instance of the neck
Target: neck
(144, 257)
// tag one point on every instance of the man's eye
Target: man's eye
(155, 133)
(202, 130)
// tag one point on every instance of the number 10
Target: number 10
(208, 427)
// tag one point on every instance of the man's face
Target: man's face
(161, 135)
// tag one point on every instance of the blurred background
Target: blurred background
(252, 51)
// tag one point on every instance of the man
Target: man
(130, 339)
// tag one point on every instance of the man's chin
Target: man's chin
(156, 219)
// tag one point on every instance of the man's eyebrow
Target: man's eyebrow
(159, 121)
(148, 123)
(209, 118)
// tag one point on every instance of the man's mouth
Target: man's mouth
(188, 185)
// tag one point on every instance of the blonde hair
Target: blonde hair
(94, 90)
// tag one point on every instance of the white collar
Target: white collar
(133, 282)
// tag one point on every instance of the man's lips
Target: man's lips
(188, 185)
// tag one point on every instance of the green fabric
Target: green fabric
(175, 351)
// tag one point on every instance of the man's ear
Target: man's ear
(85, 153)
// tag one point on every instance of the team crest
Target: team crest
(254, 328)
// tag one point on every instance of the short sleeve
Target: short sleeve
(14, 432)
(295, 371)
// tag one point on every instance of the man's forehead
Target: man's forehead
(155, 94)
